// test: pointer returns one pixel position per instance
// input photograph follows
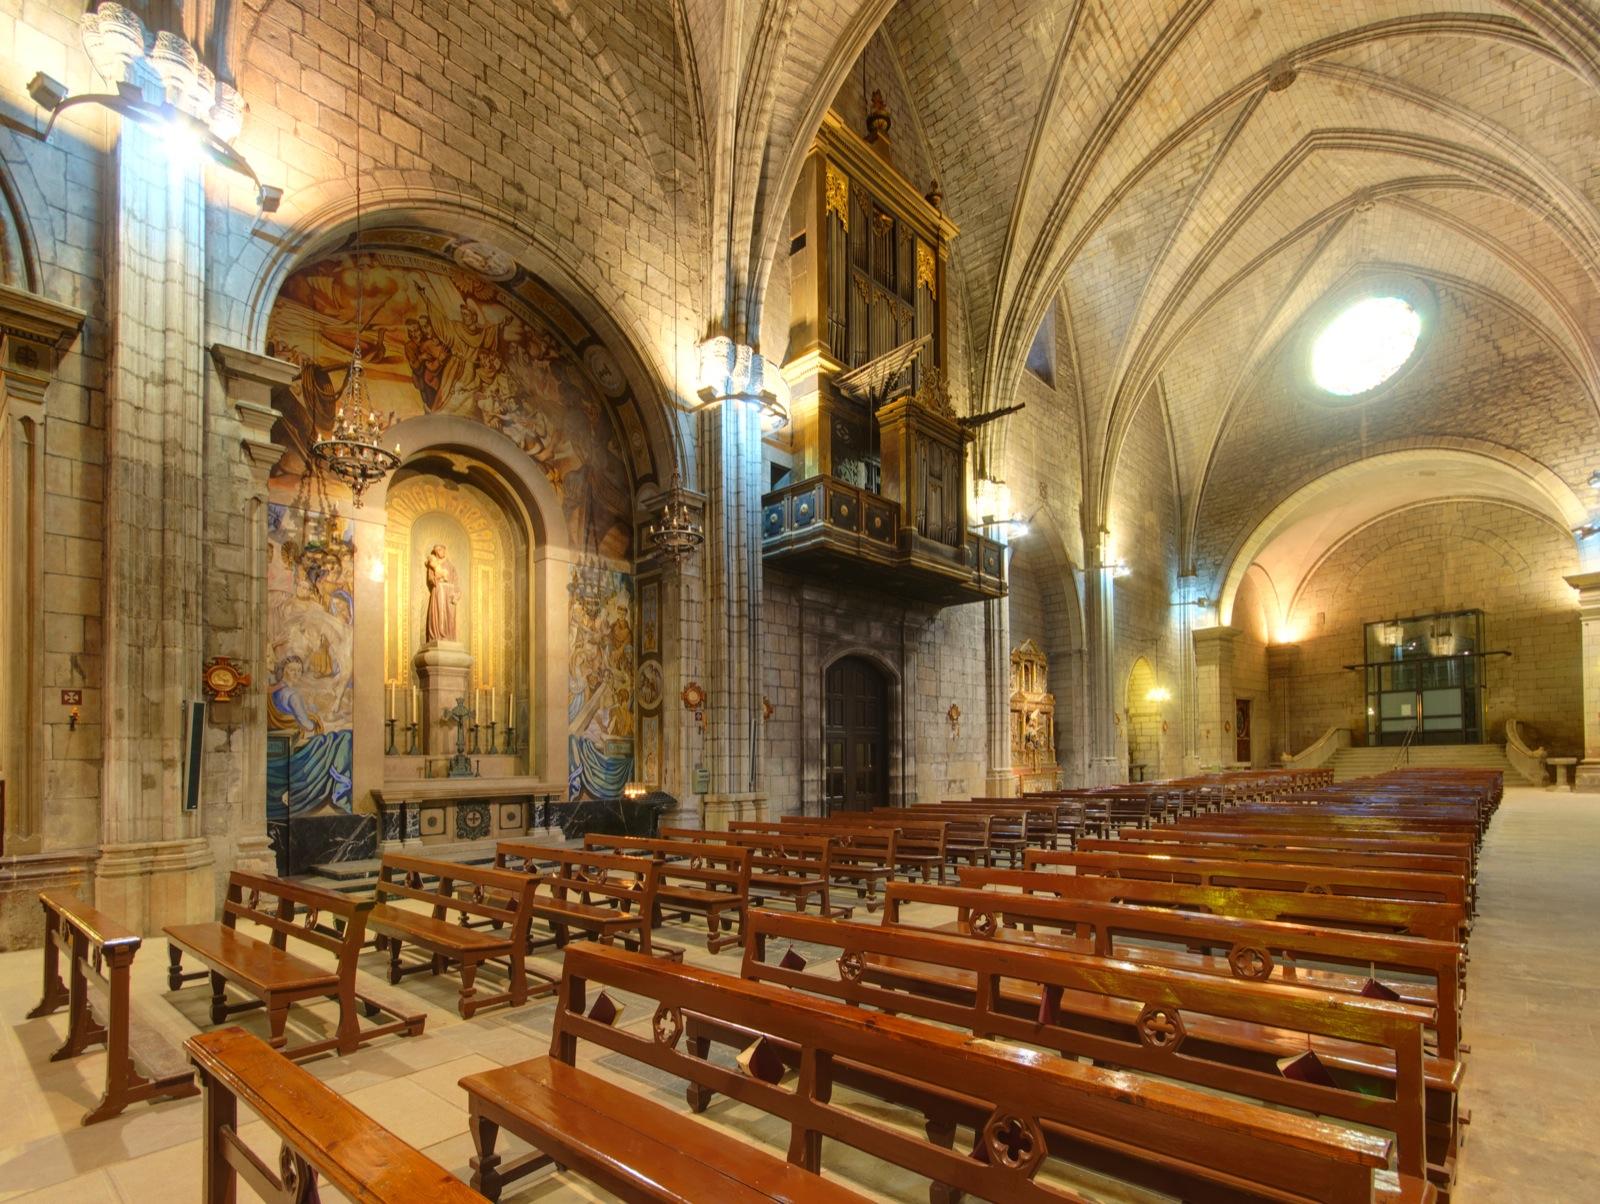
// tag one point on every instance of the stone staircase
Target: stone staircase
(1361, 762)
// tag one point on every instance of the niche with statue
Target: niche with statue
(1033, 718)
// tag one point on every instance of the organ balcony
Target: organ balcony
(877, 489)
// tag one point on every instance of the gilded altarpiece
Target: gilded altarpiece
(1033, 719)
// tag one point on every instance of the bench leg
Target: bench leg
(174, 967)
(942, 1133)
(485, 1163)
(469, 975)
(220, 1118)
(219, 998)
(698, 1097)
(395, 973)
(55, 991)
(277, 1017)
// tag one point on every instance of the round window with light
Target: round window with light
(1366, 344)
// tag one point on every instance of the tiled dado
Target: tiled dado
(472, 819)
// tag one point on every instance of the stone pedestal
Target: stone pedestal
(149, 884)
(69, 872)
(445, 673)
(718, 811)
(1587, 774)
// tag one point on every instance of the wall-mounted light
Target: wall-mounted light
(1585, 531)
(1594, 479)
(736, 372)
(195, 111)
(1158, 694)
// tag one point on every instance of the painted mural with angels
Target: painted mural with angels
(439, 338)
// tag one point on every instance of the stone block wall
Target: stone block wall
(1448, 556)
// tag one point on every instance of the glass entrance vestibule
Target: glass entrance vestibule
(1425, 679)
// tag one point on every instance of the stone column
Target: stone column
(999, 782)
(737, 383)
(248, 380)
(1213, 656)
(1104, 768)
(155, 868)
(1587, 773)
(1283, 662)
(34, 333)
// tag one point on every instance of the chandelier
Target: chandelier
(675, 535)
(352, 452)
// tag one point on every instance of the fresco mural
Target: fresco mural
(310, 654)
(600, 736)
(439, 338)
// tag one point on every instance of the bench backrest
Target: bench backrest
(1115, 1013)
(1245, 948)
(780, 852)
(629, 882)
(494, 895)
(1436, 921)
(333, 922)
(1012, 1096)
(317, 1125)
(725, 863)
(1346, 858)
(1264, 875)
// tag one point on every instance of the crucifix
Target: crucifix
(460, 766)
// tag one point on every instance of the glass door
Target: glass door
(1424, 679)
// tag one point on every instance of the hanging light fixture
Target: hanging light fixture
(675, 535)
(353, 451)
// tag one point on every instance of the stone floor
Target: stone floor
(1534, 993)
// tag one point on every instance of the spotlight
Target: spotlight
(47, 93)
(1594, 477)
(269, 198)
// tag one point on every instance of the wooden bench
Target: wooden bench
(277, 978)
(968, 837)
(792, 867)
(99, 954)
(920, 845)
(500, 902)
(861, 859)
(1436, 921)
(710, 879)
(1418, 970)
(1260, 875)
(1029, 1112)
(567, 883)
(322, 1134)
(1231, 1033)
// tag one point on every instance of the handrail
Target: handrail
(1529, 762)
(1320, 751)
(1405, 745)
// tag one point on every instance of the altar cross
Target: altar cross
(460, 766)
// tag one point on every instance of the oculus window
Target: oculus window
(1364, 345)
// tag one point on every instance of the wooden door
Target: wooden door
(1241, 731)
(855, 774)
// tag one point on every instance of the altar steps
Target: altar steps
(358, 877)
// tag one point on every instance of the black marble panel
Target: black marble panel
(315, 839)
(613, 816)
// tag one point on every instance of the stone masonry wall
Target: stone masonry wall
(1448, 556)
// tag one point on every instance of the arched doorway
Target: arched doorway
(855, 727)
(1144, 722)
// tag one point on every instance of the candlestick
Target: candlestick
(489, 746)
(388, 724)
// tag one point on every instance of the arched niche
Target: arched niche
(1142, 718)
(498, 390)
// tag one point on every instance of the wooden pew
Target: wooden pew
(1232, 1032)
(860, 858)
(921, 846)
(565, 894)
(794, 867)
(1330, 959)
(1436, 921)
(968, 836)
(99, 954)
(500, 901)
(1202, 831)
(277, 978)
(322, 1134)
(711, 879)
(1029, 1111)
(1260, 875)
